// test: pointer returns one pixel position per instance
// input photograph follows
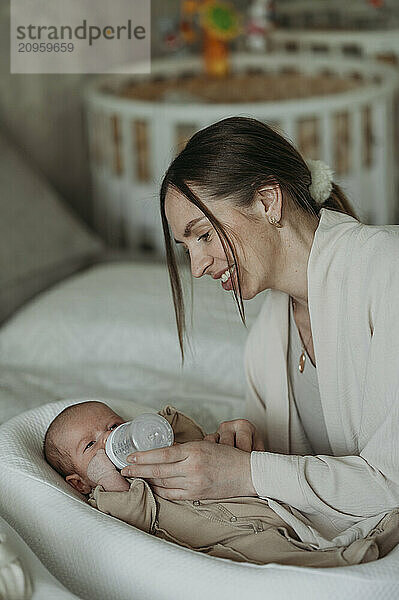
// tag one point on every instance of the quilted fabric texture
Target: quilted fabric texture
(98, 557)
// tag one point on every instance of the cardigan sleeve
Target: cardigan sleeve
(336, 486)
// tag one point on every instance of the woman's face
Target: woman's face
(191, 228)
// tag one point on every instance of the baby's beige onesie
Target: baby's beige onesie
(241, 528)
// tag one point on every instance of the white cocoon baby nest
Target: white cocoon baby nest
(99, 557)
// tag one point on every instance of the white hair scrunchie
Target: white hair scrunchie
(322, 178)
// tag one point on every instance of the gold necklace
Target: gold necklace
(302, 358)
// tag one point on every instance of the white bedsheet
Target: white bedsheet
(110, 331)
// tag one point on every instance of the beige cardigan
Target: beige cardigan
(353, 299)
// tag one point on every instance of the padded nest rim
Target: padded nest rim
(104, 558)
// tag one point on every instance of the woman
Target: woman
(322, 356)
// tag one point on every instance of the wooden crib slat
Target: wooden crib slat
(327, 138)
(384, 180)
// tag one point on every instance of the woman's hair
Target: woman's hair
(232, 159)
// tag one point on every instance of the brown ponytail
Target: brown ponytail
(339, 202)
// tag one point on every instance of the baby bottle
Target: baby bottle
(145, 432)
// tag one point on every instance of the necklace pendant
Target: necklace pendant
(302, 360)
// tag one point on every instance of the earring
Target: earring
(274, 222)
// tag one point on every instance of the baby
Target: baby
(241, 528)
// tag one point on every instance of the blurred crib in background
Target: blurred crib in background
(373, 40)
(380, 44)
(338, 110)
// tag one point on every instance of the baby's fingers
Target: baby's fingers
(212, 437)
(244, 441)
(258, 443)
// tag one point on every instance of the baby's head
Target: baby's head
(75, 436)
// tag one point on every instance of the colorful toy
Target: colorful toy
(259, 24)
(219, 22)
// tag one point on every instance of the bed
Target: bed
(79, 326)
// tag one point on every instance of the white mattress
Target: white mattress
(111, 331)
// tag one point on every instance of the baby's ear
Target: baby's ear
(78, 483)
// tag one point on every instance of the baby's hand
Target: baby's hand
(101, 471)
